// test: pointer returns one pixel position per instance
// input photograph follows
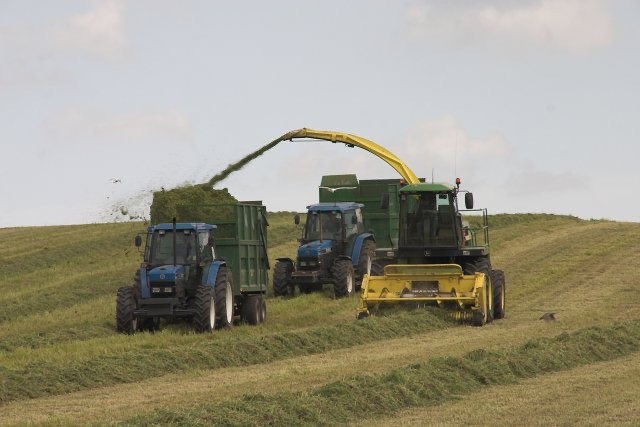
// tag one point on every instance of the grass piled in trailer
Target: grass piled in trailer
(194, 203)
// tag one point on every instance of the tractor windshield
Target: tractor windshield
(161, 252)
(326, 225)
(427, 220)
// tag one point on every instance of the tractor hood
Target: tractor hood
(315, 248)
(167, 273)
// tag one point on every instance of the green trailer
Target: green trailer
(380, 200)
(208, 270)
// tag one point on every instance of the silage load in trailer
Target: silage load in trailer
(195, 203)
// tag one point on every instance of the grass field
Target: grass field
(312, 363)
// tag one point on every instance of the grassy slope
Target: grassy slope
(57, 342)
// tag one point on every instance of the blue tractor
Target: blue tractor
(334, 248)
(186, 273)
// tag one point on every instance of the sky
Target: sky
(532, 103)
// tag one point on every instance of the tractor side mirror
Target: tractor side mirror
(138, 241)
(468, 200)
(296, 220)
(384, 201)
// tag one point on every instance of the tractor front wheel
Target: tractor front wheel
(126, 320)
(205, 317)
(342, 272)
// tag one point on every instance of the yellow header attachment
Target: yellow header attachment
(441, 285)
(353, 140)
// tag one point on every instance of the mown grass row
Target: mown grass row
(47, 268)
(417, 385)
(62, 370)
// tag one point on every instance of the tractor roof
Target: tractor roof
(335, 206)
(198, 226)
(423, 187)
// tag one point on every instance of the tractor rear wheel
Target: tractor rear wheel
(499, 289)
(205, 317)
(366, 253)
(126, 321)
(224, 298)
(281, 274)
(251, 309)
(342, 272)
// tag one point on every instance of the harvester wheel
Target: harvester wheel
(482, 265)
(481, 317)
(251, 309)
(477, 318)
(224, 298)
(344, 284)
(499, 289)
(281, 274)
(367, 252)
(205, 317)
(126, 321)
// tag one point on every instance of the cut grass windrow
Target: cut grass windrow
(116, 364)
(421, 384)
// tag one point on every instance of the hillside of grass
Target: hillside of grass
(62, 362)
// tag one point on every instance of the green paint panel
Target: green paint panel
(382, 222)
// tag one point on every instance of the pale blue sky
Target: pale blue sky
(532, 103)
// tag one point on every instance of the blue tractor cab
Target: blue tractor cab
(334, 248)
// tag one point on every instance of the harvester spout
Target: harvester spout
(353, 140)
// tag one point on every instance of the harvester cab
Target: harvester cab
(431, 224)
(334, 248)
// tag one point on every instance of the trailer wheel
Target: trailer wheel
(367, 252)
(281, 274)
(342, 272)
(499, 289)
(224, 298)
(263, 310)
(205, 317)
(482, 265)
(251, 309)
(126, 321)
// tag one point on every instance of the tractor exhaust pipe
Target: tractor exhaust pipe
(175, 245)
